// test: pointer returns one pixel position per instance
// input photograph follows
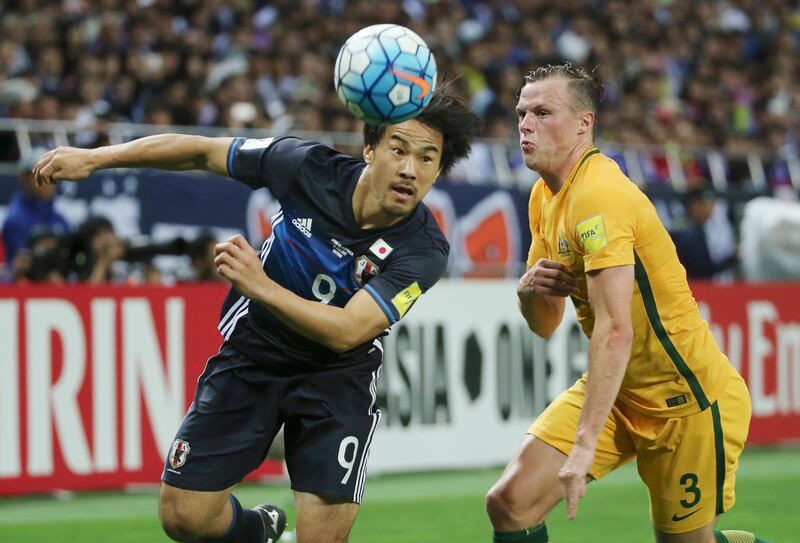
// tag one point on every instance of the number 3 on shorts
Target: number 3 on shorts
(690, 481)
(344, 461)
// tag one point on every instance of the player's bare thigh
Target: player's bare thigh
(188, 514)
(323, 520)
(529, 487)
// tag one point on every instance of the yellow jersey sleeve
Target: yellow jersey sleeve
(537, 249)
(604, 226)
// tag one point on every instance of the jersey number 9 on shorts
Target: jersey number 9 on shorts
(344, 461)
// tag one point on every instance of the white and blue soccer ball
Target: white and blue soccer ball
(385, 74)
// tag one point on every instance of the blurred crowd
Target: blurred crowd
(710, 74)
(699, 72)
(40, 246)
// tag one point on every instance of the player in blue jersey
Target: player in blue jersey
(352, 249)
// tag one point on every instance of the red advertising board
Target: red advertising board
(758, 327)
(94, 381)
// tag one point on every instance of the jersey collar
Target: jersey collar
(573, 172)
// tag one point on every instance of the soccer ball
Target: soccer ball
(385, 74)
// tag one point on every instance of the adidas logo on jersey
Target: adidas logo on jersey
(304, 225)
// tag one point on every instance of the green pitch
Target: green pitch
(429, 507)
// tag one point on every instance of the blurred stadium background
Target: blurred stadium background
(107, 317)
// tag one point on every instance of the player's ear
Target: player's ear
(368, 153)
(585, 122)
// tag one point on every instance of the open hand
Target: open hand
(573, 475)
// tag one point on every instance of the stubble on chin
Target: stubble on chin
(393, 211)
(530, 163)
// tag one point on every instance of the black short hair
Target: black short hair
(447, 114)
(585, 87)
(41, 233)
(92, 226)
(698, 194)
(198, 247)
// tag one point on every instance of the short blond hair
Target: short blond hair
(585, 89)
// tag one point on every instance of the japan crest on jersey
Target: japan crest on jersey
(364, 270)
(178, 452)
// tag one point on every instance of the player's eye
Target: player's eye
(427, 159)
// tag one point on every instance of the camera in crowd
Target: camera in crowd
(76, 255)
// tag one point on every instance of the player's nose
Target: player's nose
(525, 124)
(408, 169)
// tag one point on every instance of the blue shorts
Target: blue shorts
(329, 419)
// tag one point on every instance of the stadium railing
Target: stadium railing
(671, 166)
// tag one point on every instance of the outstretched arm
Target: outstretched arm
(163, 151)
(610, 294)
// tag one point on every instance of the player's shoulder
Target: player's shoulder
(600, 167)
(294, 144)
(421, 233)
(428, 227)
(288, 145)
(328, 159)
(604, 180)
(318, 163)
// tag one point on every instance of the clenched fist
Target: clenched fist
(63, 163)
(547, 277)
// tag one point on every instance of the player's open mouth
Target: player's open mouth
(404, 191)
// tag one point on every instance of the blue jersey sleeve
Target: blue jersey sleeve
(268, 162)
(408, 277)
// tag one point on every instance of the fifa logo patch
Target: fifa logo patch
(178, 453)
(592, 234)
(364, 270)
(406, 298)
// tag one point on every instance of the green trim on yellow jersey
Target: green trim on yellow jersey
(587, 155)
(719, 449)
(655, 321)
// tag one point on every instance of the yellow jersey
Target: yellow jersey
(600, 219)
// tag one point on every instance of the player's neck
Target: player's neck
(556, 178)
(367, 208)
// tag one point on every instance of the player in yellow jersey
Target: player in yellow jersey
(657, 389)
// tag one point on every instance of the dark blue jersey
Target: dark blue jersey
(318, 251)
